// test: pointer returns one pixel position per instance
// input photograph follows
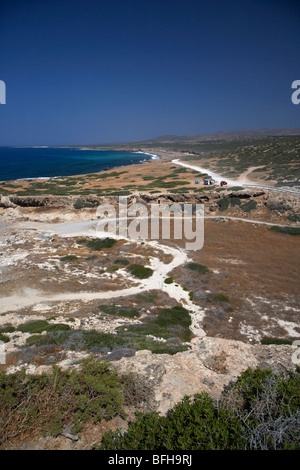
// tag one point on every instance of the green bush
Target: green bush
(85, 339)
(287, 230)
(58, 327)
(50, 402)
(199, 268)
(193, 424)
(249, 206)
(173, 319)
(140, 271)
(119, 311)
(79, 204)
(294, 217)
(81, 241)
(7, 329)
(98, 244)
(255, 383)
(171, 324)
(69, 258)
(4, 338)
(38, 326)
(275, 341)
(223, 203)
(122, 261)
(259, 411)
(113, 268)
(221, 298)
(235, 201)
(147, 297)
(39, 340)
(168, 280)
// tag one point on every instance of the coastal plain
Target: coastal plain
(184, 321)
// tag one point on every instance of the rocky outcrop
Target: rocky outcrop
(40, 201)
(93, 201)
(209, 366)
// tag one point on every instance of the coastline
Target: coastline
(153, 156)
(132, 177)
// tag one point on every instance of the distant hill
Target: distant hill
(222, 135)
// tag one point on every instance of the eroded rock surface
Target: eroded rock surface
(208, 366)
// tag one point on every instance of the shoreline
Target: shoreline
(152, 155)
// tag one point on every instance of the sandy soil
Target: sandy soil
(250, 291)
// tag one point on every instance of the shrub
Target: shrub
(168, 280)
(137, 391)
(99, 244)
(140, 271)
(4, 338)
(199, 268)
(81, 241)
(235, 201)
(50, 402)
(287, 230)
(39, 340)
(223, 203)
(79, 204)
(7, 329)
(86, 339)
(119, 311)
(176, 316)
(294, 217)
(275, 341)
(122, 261)
(68, 258)
(147, 297)
(38, 326)
(114, 268)
(140, 336)
(260, 411)
(58, 327)
(249, 206)
(268, 406)
(221, 298)
(278, 206)
(193, 424)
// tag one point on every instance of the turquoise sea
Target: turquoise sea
(43, 162)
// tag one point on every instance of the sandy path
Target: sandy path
(30, 297)
(251, 221)
(242, 179)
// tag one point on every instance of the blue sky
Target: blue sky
(88, 72)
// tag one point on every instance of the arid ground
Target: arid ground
(148, 306)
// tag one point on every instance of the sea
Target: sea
(45, 162)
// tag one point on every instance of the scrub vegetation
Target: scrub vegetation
(260, 411)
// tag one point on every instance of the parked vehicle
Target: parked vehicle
(208, 181)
